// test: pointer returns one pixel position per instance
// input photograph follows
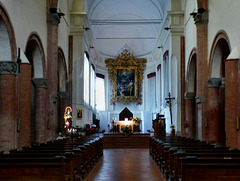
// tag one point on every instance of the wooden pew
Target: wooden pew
(207, 160)
(210, 169)
(29, 169)
(81, 154)
(69, 159)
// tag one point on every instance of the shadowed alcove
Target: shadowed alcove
(126, 113)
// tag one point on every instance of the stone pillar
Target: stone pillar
(40, 94)
(183, 85)
(212, 122)
(24, 89)
(8, 105)
(231, 101)
(190, 117)
(201, 21)
(77, 33)
(52, 69)
(177, 41)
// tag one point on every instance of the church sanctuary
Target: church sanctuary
(119, 90)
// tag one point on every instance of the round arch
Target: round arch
(9, 49)
(62, 71)
(191, 71)
(190, 124)
(220, 49)
(35, 54)
(63, 94)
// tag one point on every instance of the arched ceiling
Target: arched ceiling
(131, 24)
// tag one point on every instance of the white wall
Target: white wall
(27, 16)
(224, 15)
(63, 29)
(190, 31)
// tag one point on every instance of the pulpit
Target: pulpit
(159, 127)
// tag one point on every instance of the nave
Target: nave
(125, 164)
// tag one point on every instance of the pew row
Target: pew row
(79, 157)
(179, 158)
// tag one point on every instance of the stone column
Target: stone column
(40, 94)
(201, 21)
(77, 33)
(52, 69)
(177, 41)
(8, 105)
(190, 117)
(231, 101)
(24, 89)
(212, 122)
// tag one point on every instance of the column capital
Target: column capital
(8, 68)
(64, 95)
(189, 95)
(201, 19)
(177, 22)
(40, 83)
(200, 99)
(77, 23)
(216, 82)
(53, 19)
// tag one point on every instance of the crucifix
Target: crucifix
(169, 100)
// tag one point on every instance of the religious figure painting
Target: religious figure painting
(126, 75)
(125, 82)
(79, 113)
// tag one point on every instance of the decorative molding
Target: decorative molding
(201, 18)
(216, 82)
(77, 23)
(126, 61)
(177, 22)
(189, 95)
(40, 83)
(8, 68)
(53, 19)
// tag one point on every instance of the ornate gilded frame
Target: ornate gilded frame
(126, 62)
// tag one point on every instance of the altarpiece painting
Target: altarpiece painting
(126, 75)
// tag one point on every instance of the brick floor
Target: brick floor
(125, 165)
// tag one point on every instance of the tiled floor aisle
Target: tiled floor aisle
(125, 165)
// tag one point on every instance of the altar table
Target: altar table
(123, 124)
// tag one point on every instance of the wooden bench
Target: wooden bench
(79, 156)
(210, 169)
(29, 169)
(176, 157)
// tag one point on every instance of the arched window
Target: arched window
(86, 78)
(5, 48)
(93, 81)
(100, 92)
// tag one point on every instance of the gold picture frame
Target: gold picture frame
(126, 75)
(79, 113)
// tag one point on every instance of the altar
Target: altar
(118, 126)
(125, 120)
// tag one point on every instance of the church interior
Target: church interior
(91, 76)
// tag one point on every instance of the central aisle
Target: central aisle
(125, 165)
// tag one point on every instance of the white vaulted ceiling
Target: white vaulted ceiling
(131, 24)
